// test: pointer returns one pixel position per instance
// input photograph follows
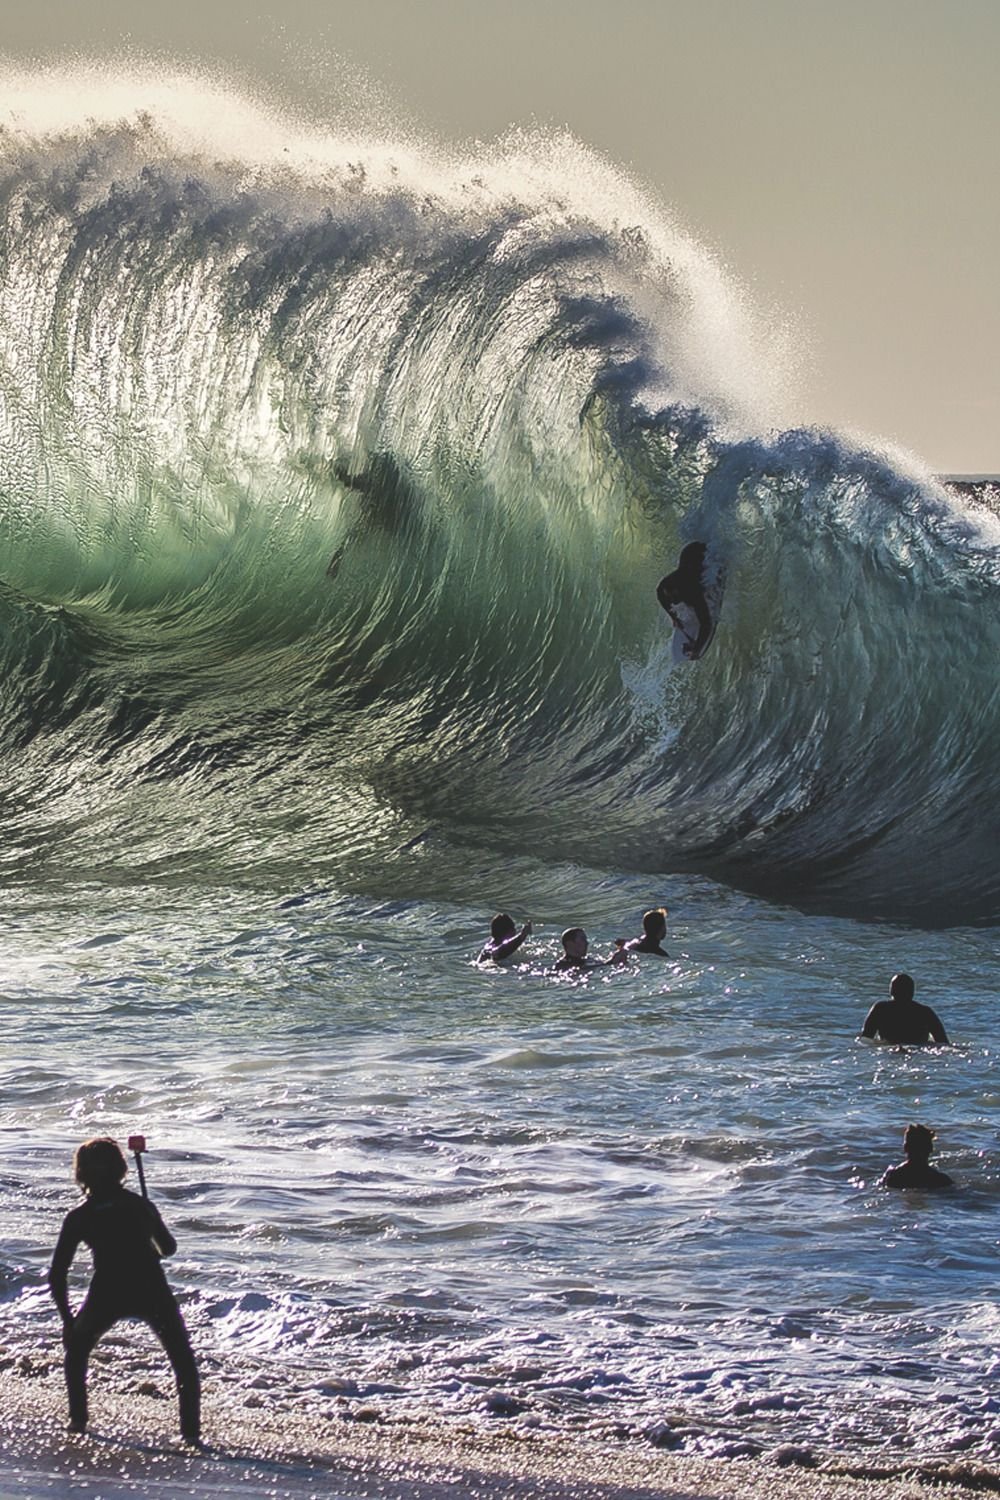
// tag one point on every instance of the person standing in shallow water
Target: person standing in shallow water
(916, 1171)
(127, 1239)
(901, 1020)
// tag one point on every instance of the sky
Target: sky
(840, 157)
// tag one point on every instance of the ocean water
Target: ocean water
(336, 477)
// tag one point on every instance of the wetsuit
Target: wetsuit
(647, 945)
(916, 1174)
(686, 586)
(497, 949)
(905, 1023)
(128, 1282)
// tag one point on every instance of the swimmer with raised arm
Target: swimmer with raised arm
(505, 939)
(902, 1021)
(916, 1171)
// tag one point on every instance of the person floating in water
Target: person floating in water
(686, 585)
(901, 1020)
(916, 1171)
(127, 1238)
(575, 944)
(654, 930)
(505, 939)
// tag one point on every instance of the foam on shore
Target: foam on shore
(133, 1449)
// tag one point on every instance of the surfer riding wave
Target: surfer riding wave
(685, 586)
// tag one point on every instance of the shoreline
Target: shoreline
(133, 1450)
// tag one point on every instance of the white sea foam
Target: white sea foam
(456, 1191)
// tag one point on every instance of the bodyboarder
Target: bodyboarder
(686, 586)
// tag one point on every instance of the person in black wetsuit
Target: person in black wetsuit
(127, 1239)
(685, 585)
(654, 930)
(916, 1171)
(575, 945)
(505, 939)
(902, 1020)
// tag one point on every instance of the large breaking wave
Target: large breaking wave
(336, 481)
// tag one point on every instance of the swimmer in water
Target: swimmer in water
(901, 1020)
(916, 1171)
(575, 944)
(654, 930)
(127, 1239)
(504, 939)
(685, 586)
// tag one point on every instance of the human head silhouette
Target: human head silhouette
(654, 923)
(98, 1165)
(918, 1142)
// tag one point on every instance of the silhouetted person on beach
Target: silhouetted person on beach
(654, 930)
(916, 1171)
(575, 944)
(901, 1020)
(505, 939)
(127, 1238)
(686, 586)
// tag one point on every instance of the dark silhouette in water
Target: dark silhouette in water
(575, 945)
(686, 585)
(901, 1020)
(505, 939)
(127, 1238)
(390, 497)
(916, 1171)
(654, 930)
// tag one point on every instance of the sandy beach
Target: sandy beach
(132, 1449)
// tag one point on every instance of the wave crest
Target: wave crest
(344, 467)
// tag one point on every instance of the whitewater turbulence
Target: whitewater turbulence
(335, 484)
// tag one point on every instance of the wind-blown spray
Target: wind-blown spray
(336, 483)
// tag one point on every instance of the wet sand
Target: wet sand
(133, 1450)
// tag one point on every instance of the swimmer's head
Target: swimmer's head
(918, 1142)
(654, 923)
(99, 1165)
(901, 987)
(501, 927)
(574, 941)
(692, 558)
